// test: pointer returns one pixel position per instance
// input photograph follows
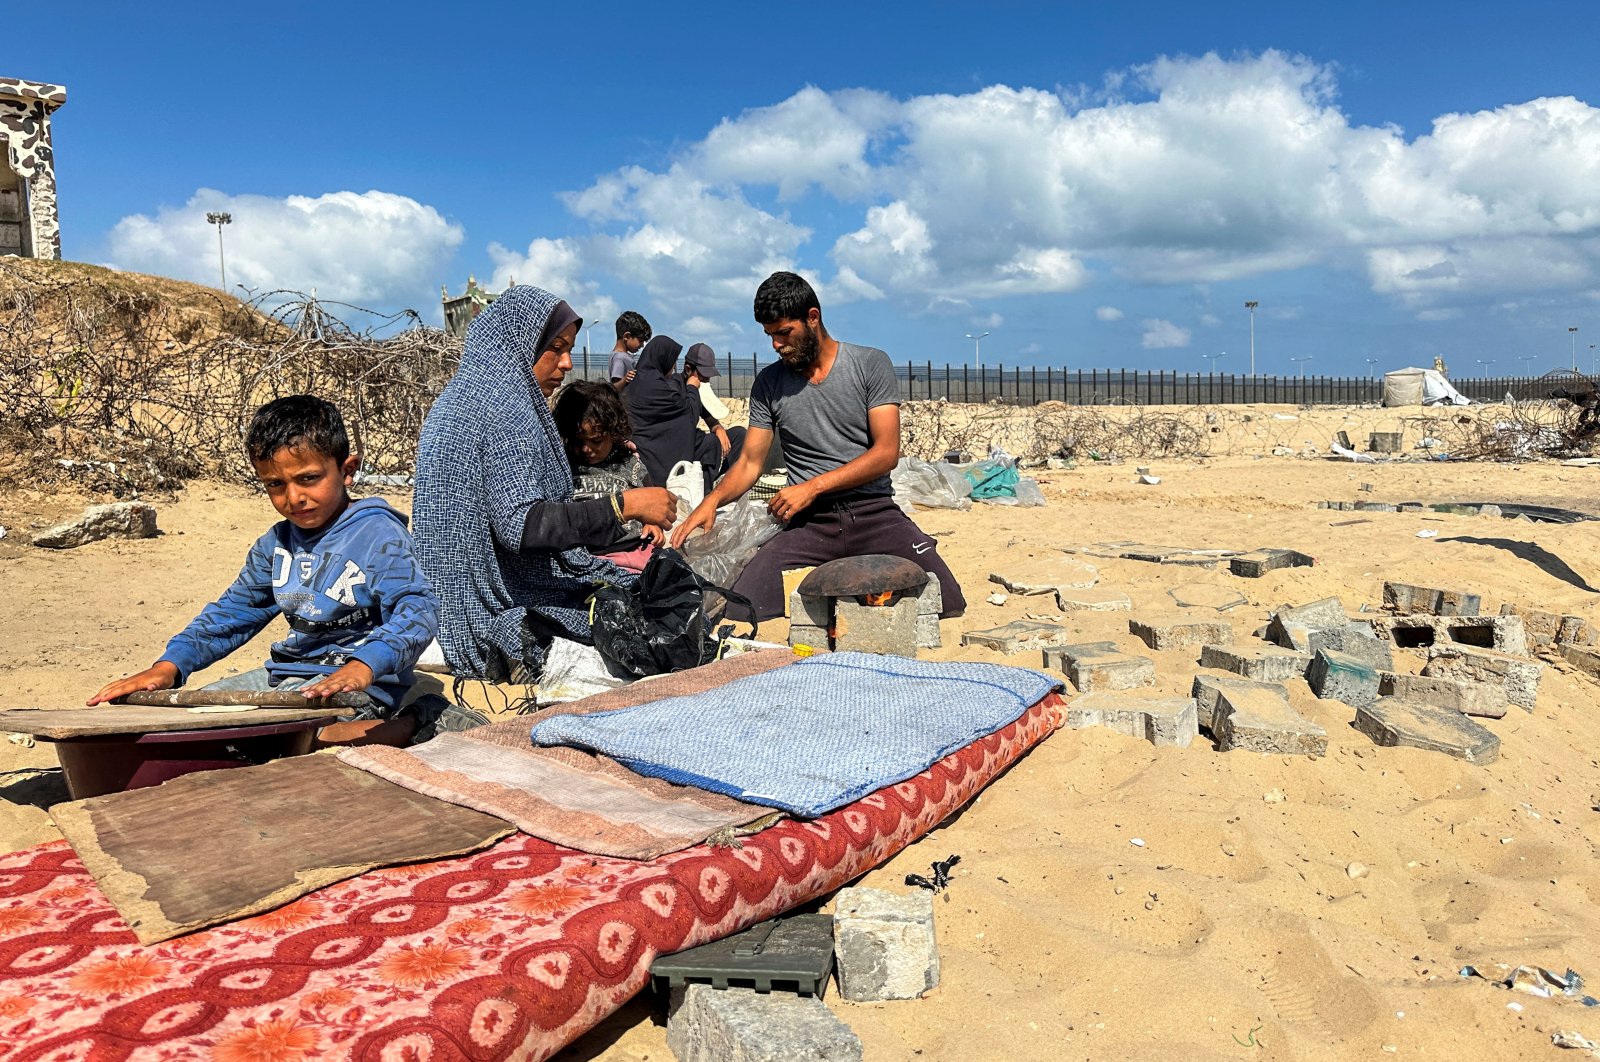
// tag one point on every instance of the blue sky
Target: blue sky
(1094, 185)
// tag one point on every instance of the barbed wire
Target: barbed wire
(121, 388)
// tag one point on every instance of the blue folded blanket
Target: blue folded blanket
(812, 736)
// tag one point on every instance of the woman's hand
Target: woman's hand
(160, 676)
(650, 505)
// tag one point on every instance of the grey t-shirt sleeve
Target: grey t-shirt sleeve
(878, 379)
(760, 413)
(621, 364)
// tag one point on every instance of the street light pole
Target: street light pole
(1214, 358)
(219, 219)
(587, 337)
(1302, 360)
(1573, 332)
(977, 362)
(1251, 305)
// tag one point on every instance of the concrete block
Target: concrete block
(1101, 666)
(1261, 720)
(1584, 659)
(805, 634)
(928, 636)
(1062, 657)
(1265, 663)
(1407, 599)
(706, 1024)
(1044, 574)
(930, 600)
(1018, 635)
(1358, 640)
(1094, 599)
(1256, 563)
(1302, 639)
(1518, 677)
(1468, 698)
(1180, 631)
(1338, 677)
(1505, 634)
(884, 946)
(117, 520)
(1376, 507)
(887, 629)
(1547, 628)
(1322, 614)
(811, 611)
(1385, 442)
(1207, 691)
(1390, 721)
(1161, 721)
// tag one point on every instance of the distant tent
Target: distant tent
(1420, 387)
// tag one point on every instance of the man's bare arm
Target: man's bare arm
(740, 478)
(879, 458)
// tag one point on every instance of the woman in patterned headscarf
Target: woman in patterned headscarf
(497, 531)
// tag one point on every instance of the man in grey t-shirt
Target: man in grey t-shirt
(835, 408)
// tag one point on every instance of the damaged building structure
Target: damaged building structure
(29, 224)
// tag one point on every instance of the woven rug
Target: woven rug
(509, 953)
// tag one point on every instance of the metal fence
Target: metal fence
(1102, 387)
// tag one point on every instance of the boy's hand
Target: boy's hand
(160, 676)
(352, 678)
(656, 536)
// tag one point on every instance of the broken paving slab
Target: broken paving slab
(1096, 666)
(1303, 639)
(1517, 676)
(1018, 635)
(1338, 676)
(1205, 558)
(1162, 721)
(1358, 640)
(116, 520)
(1548, 628)
(1408, 599)
(1584, 659)
(1259, 562)
(1178, 631)
(1093, 599)
(1323, 614)
(1207, 691)
(1468, 698)
(1045, 574)
(1260, 720)
(1390, 721)
(1505, 634)
(1265, 663)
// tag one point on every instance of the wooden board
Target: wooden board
(63, 724)
(212, 847)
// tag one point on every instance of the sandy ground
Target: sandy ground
(1234, 931)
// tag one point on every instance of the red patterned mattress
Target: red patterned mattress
(510, 953)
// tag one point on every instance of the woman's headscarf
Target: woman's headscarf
(663, 409)
(489, 450)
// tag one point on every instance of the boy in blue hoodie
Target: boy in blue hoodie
(342, 573)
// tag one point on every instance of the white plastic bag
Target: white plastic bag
(687, 480)
(932, 485)
(719, 555)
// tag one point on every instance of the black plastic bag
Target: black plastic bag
(660, 623)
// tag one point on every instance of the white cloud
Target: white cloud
(1184, 170)
(993, 320)
(557, 266)
(1108, 313)
(1210, 320)
(374, 249)
(1163, 335)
